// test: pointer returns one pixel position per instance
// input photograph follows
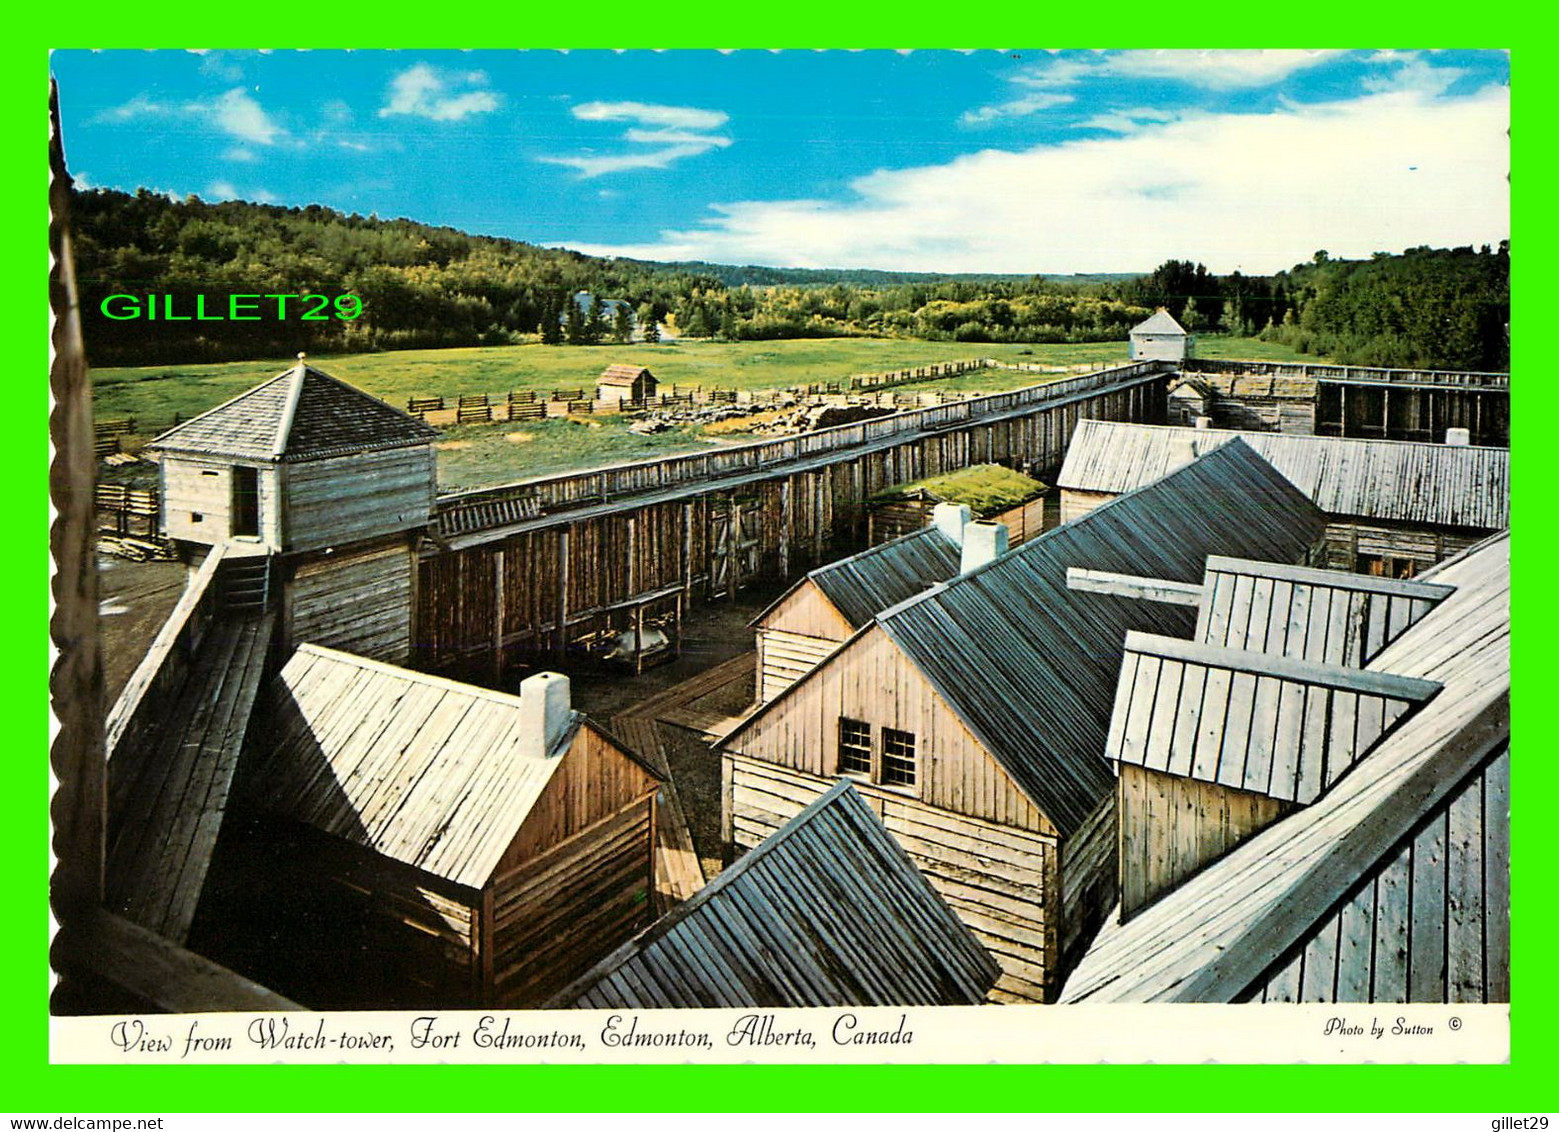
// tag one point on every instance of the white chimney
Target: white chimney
(951, 519)
(1204, 422)
(1458, 437)
(544, 708)
(1182, 450)
(983, 542)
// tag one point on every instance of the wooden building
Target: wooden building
(1190, 399)
(973, 716)
(1160, 338)
(1392, 508)
(829, 605)
(1413, 405)
(1384, 875)
(323, 489)
(829, 911)
(444, 844)
(626, 383)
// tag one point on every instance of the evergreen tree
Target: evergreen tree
(574, 323)
(551, 324)
(595, 322)
(652, 332)
(622, 324)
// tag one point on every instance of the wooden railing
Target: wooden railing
(161, 671)
(1314, 372)
(574, 489)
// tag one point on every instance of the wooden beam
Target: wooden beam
(1357, 680)
(560, 644)
(1161, 590)
(498, 603)
(1333, 579)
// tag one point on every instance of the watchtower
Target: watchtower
(318, 494)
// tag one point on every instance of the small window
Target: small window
(898, 757)
(196, 517)
(855, 746)
(208, 473)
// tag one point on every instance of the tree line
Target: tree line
(426, 286)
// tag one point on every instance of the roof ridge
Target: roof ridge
(233, 400)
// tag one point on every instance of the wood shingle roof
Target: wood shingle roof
(302, 414)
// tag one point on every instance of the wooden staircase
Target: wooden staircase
(245, 584)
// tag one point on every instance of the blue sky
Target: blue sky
(1018, 161)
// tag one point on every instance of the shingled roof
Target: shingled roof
(830, 911)
(302, 414)
(1160, 322)
(623, 375)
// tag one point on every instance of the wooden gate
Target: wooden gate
(735, 543)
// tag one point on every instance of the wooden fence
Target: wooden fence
(1371, 374)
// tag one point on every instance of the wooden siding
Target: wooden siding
(806, 611)
(352, 498)
(1172, 827)
(1002, 882)
(358, 600)
(1089, 876)
(784, 658)
(595, 782)
(829, 911)
(204, 487)
(559, 911)
(873, 681)
(1429, 924)
(1309, 614)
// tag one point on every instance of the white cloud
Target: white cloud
(422, 92)
(1259, 192)
(1017, 107)
(1410, 70)
(235, 113)
(1217, 70)
(213, 64)
(674, 117)
(239, 153)
(221, 190)
(1127, 121)
(676, 131)
(226, 190)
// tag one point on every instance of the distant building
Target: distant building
(626, 383)
(1160, 339)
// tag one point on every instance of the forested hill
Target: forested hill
(423, 286)
(757, 275)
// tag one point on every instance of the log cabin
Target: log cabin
(626, 383)
(404, 840)
(829, 911)
(320, 493)
(1393, 508)
(1386, 878)
(973, 716)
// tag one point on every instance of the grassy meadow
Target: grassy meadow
(483, 455)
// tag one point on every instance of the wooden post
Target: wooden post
(560, 640)
(638, 640)
(633, 558)
(785, 529)
(732, 550)
(687, 549)
(498, 603)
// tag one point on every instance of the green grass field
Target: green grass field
(482, 455)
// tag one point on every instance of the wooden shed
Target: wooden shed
(835, 895)
(439, 843)
(1393, 508)
(625, 383)
(324, 489)
(1160, 338)
(1387, 883)
(973, 716)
